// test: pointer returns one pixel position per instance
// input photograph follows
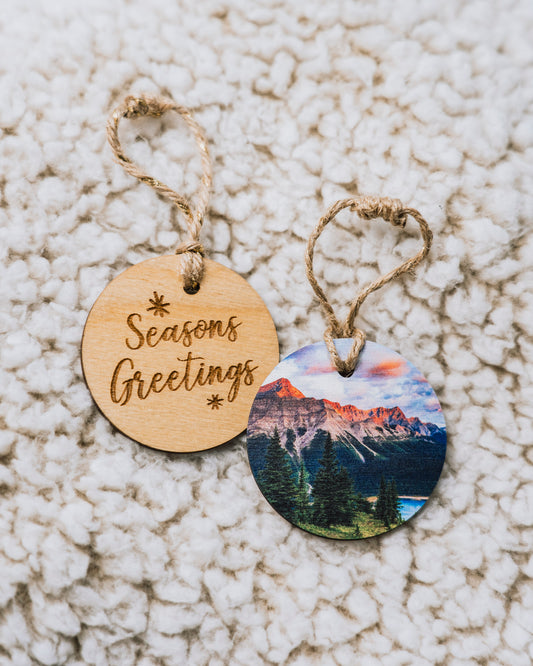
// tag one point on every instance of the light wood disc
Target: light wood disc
(178, 371)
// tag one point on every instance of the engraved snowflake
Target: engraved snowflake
(214, 401)
(158, 305)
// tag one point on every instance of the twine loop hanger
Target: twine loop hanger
(368, 208)
(192, 251)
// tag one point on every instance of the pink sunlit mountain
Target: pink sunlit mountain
(280, 405)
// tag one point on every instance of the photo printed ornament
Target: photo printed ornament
(175, 347)
(348, 449)
(346, 457)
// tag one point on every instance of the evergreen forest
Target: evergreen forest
(326, 503)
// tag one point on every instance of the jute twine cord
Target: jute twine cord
(369, 208)
(192, 265)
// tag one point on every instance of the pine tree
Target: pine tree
(387, 508)
(394, 503)
(345, 498)
(301, 512)
(277, 480)
(325, 503)
(380, 508)
(333, 495)
(357, 531)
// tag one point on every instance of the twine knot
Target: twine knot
(390, 210)
(191, 246)
(147, 105)
(135, 107)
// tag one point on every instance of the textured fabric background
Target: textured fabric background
(112, 553)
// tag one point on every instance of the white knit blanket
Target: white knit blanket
(113, 553)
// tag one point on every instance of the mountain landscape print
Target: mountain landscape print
(346, 457)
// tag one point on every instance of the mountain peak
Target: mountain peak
(282, 388)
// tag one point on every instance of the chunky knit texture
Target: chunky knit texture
(111, 553)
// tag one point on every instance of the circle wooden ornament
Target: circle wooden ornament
(346, 457)
(173, 370)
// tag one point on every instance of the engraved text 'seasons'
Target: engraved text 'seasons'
(185, 333)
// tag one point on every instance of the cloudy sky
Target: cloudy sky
(382, 378)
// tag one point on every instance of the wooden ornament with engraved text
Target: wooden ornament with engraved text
(178, 371)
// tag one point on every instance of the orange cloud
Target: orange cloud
(394, 367)
(319, 369)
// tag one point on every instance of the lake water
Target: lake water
(410, 506)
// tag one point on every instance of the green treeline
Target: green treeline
(331, 500)
(387, 507)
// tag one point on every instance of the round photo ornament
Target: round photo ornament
(175, 347)
(346, 438)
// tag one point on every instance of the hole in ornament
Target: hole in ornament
(346, 373)
(192, 288)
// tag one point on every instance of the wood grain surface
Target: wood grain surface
(178, 371)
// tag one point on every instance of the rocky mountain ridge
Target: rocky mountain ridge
(281, 405)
